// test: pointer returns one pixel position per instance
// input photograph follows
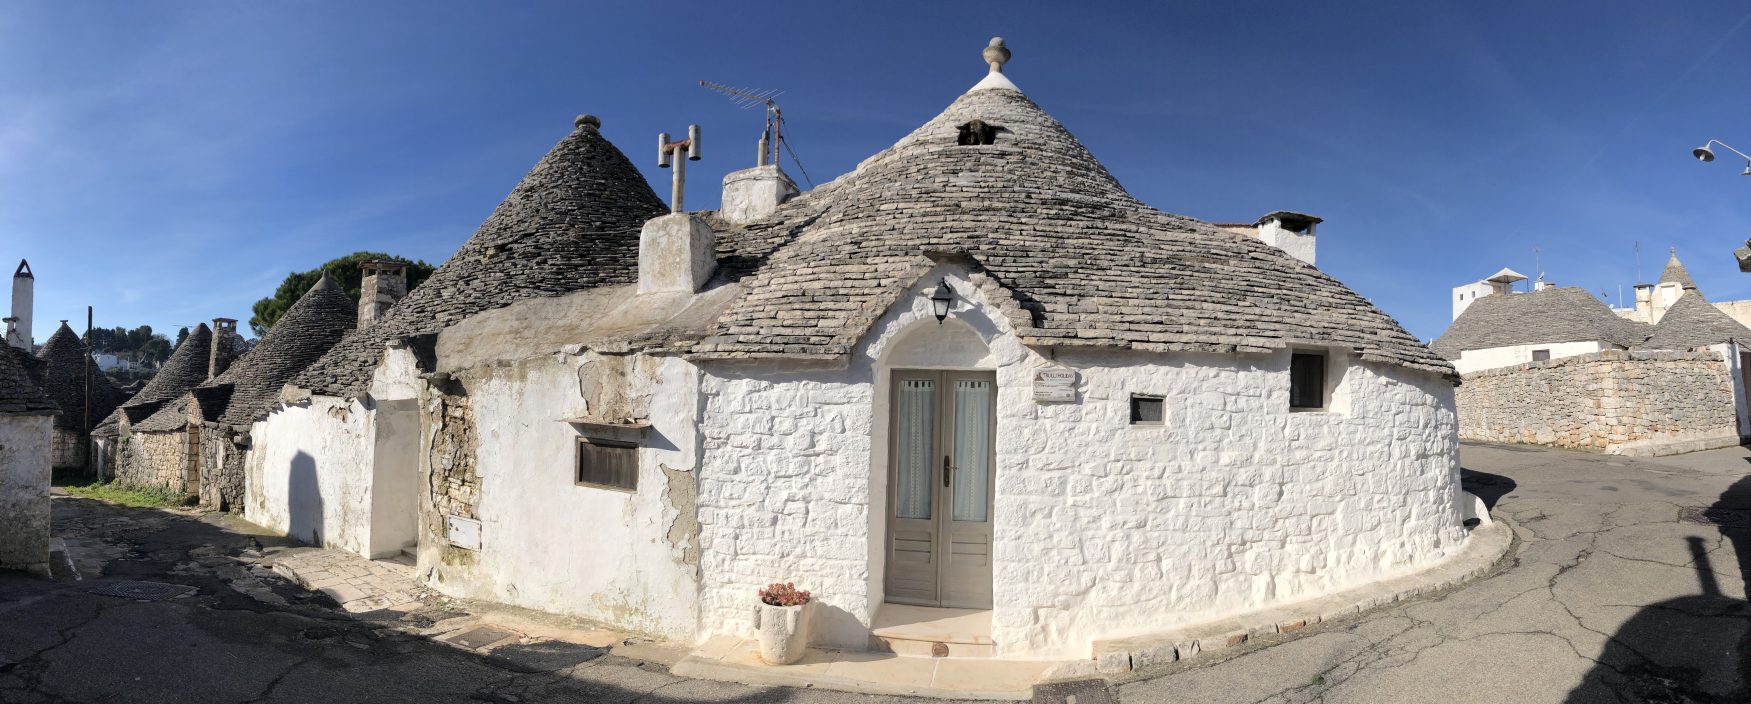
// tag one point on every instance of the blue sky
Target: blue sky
(170, 162)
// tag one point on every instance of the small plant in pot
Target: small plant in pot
(782, 618)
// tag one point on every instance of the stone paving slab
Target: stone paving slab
(357, 584)
(731, 659)
(1486, 545)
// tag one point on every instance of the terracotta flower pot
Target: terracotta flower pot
(784, 632)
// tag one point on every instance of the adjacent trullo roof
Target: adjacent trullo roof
(65, 362)
(571, 224)
(186, 368)
(21, 390)
(1675, 273)
(251, 386)
(1539, 317)
(1081, 261)
(1691, 322)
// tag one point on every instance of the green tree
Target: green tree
(181, 335)
(345, 271)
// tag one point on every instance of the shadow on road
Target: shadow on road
(62, 642)
(1693, 648)
(1489, 487)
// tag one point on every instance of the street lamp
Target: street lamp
(1705, 155)
(941, 300)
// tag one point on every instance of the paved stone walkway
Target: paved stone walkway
(357, 584)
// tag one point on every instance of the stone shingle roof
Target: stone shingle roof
(571, 224)
(1691, 322)
(1081, 261)
(21, 390)
(251, 386)
(1540, 317)
(1675, 273)
(64, 363)
(186, 369)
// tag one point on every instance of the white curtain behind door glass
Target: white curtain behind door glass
(917, 421)
(972, 455)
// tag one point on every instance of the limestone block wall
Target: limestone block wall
(25, 448)
(153, 460)
(69, 448)
(1613, 401)
(221, 470)
(1103, 528)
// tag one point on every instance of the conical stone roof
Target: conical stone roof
(1536, 318)
(65, 362)
(1675, 273)
(252, 384)
(1081, 262)
(186, 369)
(1691, 322)
(571, 224)
(21, 390)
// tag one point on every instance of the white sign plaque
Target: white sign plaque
(464, 532)
(1054, 385)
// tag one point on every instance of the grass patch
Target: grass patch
(137, 496)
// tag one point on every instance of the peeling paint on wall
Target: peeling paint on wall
(683, 495)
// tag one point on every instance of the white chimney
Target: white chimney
(676, 252)
(1290, 232)
(23, 300)
(753, 194)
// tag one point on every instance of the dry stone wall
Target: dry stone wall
(1615, 401)
(152, 460)
(68, 448)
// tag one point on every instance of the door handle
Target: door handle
(947, 471)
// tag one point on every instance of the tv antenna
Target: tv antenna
(772, 138)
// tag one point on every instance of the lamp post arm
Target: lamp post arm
(1729, 148)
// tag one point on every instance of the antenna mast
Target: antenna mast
(772, 137)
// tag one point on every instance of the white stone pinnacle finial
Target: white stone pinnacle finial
(996, 54)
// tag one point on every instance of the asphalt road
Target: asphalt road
(1610, 595)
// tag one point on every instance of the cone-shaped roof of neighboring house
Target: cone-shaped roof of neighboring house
(21, 391)
(571, 224)
(1540, 317)
(65, 363)
(252, 384)
(186, 369)
(1675, 273)
(1078, 260)
(1692, 322)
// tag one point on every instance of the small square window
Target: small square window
(607, 464)
(1307, 380)
(1146, 410)
(1541, 355)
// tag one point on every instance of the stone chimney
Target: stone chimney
(1645, 305)
(224, 347)
(676, 253)
(23, 300)
(1290, 232)
(384, 283)
(752, 194)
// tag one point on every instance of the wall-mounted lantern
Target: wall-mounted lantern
(941, 300)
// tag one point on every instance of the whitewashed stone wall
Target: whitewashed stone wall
(629, 559)
(24, 492)
(1103, 529)
(308, 473)
(1613, 401)
(1497, 357)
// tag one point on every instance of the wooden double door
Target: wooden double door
(941, 468)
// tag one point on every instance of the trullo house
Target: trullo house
(973, 373)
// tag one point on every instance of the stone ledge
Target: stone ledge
(1486, 545)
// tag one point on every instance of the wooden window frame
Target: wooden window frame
(578, 463)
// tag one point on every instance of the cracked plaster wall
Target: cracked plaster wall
(24, 491)
(1612, 401)
(1102, 529)
(499, 452)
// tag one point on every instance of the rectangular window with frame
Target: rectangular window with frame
(607, 464)
(1541, 355)
(1148, 410)
(1307, 380)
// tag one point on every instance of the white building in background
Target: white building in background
(974, 373)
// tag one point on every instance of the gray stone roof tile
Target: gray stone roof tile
(1691, 322)
(63, 354)
(1539, 317)
(186, 369)
(1675, 273)
(21, 390)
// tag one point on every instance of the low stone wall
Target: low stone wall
(68, 449)
(152, 459)
(1616, 401)
(221, 470)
